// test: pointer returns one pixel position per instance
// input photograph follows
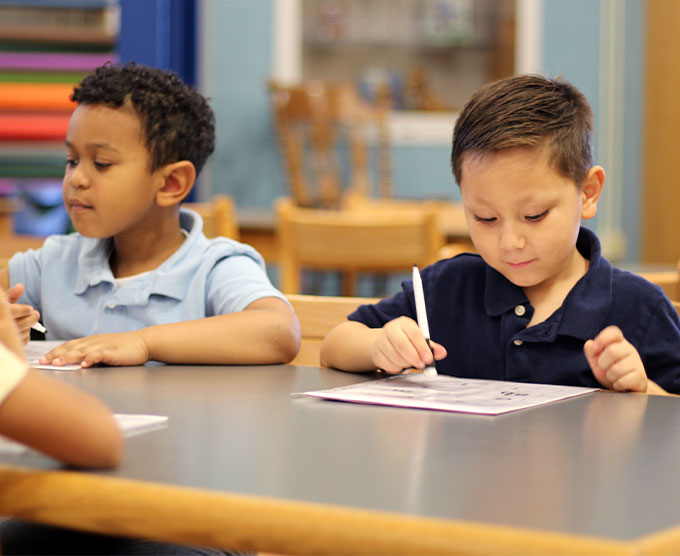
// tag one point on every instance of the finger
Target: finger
(592, 352)
(631, 382)
(401, 349)
(439, 351)
(608, 336)
(421, 345)
(20, 310)
(615, 353)
(389, 360)
(27, 321)
(56, 353)
(15, 293)
(70, 357)
(93, 358)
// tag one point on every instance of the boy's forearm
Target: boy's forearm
(348, 347)
(250, 337)
(61, 421)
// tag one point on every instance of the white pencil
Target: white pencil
(421, 314)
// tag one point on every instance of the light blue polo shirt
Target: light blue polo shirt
(70, 282)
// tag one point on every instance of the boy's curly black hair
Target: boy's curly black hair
(177, 121)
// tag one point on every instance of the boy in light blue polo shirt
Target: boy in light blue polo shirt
(140, 281)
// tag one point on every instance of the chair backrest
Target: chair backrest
(676, 304)
(353, 241)
(318, 315)
(450, 216)
(314, 122)
(219, 216)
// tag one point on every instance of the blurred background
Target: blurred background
(417, 59)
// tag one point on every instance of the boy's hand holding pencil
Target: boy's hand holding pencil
(401, 345)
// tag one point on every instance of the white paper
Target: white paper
(447, 393)
(130, 424)
(36, 349)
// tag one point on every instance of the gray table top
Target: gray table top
(603, 464)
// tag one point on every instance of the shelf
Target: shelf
(59, 5)
(452, 44)
(56, 34)
(42, 159)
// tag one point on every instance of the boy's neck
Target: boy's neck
(549, 295)
(145, 250)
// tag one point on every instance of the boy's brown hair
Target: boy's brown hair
(527, 111)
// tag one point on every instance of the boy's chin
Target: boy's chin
(92, 234)
(520, 279)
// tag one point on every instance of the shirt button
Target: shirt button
(520, 310)
(517, 342)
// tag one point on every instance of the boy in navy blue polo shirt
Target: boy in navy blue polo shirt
(538, 303)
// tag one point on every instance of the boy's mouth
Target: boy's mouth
(76, 205)
(521, 264)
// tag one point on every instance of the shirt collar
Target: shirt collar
(590, 300)
(94, 268)
(583, 312)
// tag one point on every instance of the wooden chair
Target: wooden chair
(219, 216)
(351, 242)
(318, 314)
(315, 124)
(450, 218)
(667, 280)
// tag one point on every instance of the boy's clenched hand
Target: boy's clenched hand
(614, 361)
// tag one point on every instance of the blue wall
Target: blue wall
(245, 163)
(571, 41)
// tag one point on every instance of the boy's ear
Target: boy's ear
(178, 179)
(591, 190)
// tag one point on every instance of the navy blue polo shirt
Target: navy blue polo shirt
(481, 319)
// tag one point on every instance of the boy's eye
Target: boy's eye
(102, 165)
(485, 220)
(537, 217)
(70, 162)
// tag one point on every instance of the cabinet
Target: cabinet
(427, 54)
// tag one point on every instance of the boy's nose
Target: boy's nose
(78, 177)
(512, 238)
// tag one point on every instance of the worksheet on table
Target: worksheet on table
(447, 393)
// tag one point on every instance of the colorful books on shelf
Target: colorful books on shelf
(35, 90)
(46, 47)
(33, 125)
